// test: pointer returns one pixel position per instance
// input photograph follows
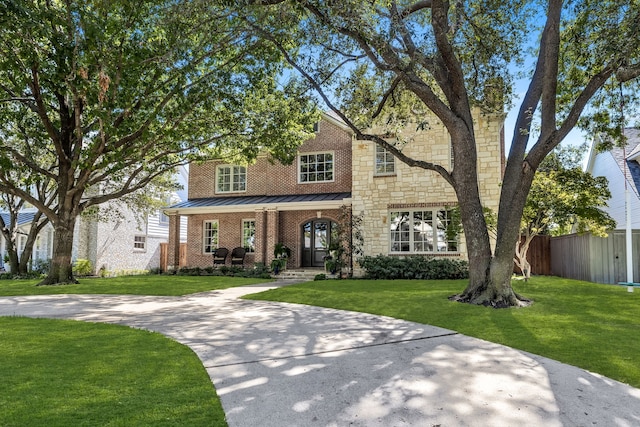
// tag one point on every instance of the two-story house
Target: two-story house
(404, 210)
(621, 167)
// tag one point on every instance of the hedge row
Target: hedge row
(413, 267)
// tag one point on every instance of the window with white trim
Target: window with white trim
(315, 167)
(249, 235)
(423, 231)
(385, 162)
(139, 243)
(231, 179)
(209, 236)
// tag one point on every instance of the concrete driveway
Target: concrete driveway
(278, 364)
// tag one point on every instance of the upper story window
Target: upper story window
(163, 219)
(231, 179)
(423, 231)
(316, 167)
(385, 162)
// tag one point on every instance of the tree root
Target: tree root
(47, 281)
(482, 299)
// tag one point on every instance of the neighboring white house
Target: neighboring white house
(126, 245)
(619, 165)
(43, 247)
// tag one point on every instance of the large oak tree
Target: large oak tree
(388, 60)
(103, 97)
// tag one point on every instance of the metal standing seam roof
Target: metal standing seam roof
(211, 202)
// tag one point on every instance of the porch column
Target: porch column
(261, 237)
(173, 262)
(273, 233)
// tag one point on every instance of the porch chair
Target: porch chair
(220, 256)
(237, 256)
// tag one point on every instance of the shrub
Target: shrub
(321, 276)
(189, 271)
(413, 267)
(82, 267)
(40, 266)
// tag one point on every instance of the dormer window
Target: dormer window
(231, 179)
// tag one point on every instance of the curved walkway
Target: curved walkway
(278, 364)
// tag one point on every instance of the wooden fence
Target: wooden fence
(164, 255)
(595, 259)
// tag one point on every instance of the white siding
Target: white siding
(605, 165)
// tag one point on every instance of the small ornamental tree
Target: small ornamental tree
(563, 197)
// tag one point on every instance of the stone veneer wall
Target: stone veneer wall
(373, 195)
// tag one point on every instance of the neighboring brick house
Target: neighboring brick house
(404, 210)
(258, 205)
(128, 244)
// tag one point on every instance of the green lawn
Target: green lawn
(595, 327)
(67, 373)
(129, 285)
(60, 373)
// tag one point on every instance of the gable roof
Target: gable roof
(250, 203)
(332, 117)
(23, 217)
(625, 158)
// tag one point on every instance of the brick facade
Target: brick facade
(267, 177)
(280, 223)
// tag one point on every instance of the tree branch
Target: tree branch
(624, 74)
(417, 6)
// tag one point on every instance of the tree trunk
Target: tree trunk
(489, 277)
(522, 248)
(61, 271)
(12, 253)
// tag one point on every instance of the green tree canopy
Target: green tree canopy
(103, 97)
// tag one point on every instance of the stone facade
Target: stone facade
(374, 196)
